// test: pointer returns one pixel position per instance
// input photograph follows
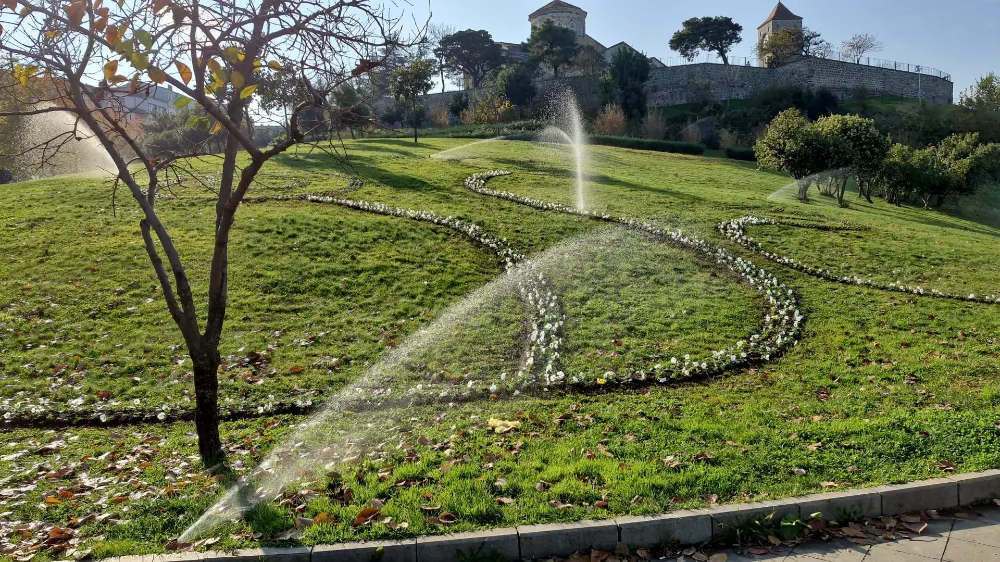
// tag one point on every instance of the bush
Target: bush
(439, 116)
(459, 103)
(654, 126)
(741, 153)
(611, 122)
(646, 144)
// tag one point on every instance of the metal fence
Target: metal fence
(711, 58)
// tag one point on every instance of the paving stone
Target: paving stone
(965, 551)
(986, 532)
(726, 518)
(446, 547)
(561, 539)
(391, 551)
(833, 551)
(832, 504)
(938, 493)
(977, 486)
(885, 555)
(927, 547)
(687, 527)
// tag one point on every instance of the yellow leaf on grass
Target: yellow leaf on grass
(503, 426)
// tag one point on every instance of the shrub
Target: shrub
(728, 139)
(793, 145)
(654, 126)
(741, 153)
(459, 103)
(646, 144)
(439, 116)
(691, 134)
(611, 121)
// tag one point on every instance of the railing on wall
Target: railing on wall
(711, 58)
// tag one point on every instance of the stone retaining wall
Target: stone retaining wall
(674, 85)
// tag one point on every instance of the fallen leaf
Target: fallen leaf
(917, 528)
(720, 557)
(366, 515)
(324, 519)
(502, 426)
(447, 518)
(711, 498)
(504, 501)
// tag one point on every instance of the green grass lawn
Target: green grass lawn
(881, 388)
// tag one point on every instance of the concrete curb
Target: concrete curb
(691, 527)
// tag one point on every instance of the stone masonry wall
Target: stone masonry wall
(691, 83)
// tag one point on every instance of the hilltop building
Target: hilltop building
(780, 18)
(707, 79)
(572, 17)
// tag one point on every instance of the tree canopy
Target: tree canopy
(410, 82)
(552, 45)
(471, 53)
(716, 35)
(629, 72)
(859, 45)
(984, 94)
(89, 55)
(516, 84)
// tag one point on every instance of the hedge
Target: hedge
(646, 144)
(741, 153)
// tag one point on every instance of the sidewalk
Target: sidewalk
(971, 536)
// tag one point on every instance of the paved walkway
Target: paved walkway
(965, 537)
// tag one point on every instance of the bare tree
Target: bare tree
(435, 33)
(859, 45)
(89, 54)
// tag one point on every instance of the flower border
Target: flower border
(736, 231)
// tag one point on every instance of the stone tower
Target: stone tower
(562, 14)
(780, 18)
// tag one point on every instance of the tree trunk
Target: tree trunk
(725, 59)
(206, 384)
(413, 116)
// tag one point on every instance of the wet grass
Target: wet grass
(882, 387)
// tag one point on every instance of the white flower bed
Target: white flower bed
(736, 231)
(782, 323)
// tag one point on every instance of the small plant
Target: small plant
(847, 514)
(611, 121)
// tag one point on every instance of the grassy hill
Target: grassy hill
(883, 387)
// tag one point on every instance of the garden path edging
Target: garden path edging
(690, 527)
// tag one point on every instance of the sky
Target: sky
(959, 37)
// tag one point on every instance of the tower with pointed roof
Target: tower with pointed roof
(781, 18)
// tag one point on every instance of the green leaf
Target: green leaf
(145, 38)
(182, 102)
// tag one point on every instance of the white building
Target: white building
(148, 100)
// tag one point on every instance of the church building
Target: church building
(567, 15)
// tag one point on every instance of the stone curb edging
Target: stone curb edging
(691, 527)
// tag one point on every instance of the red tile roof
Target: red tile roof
(780, 13)
(555, 5)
